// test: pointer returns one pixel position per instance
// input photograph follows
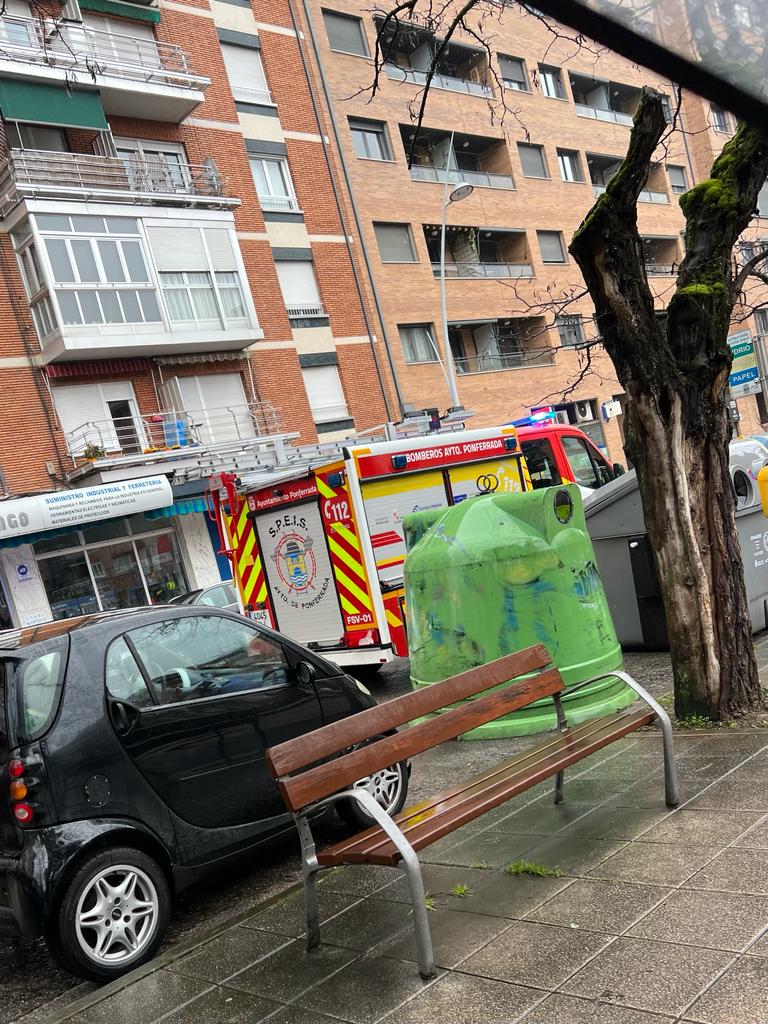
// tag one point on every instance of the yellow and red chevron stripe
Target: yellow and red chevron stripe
(344, 547)
(249, 570)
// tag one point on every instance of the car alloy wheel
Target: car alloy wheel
(117, 915)
(384, 786)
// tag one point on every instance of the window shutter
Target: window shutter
(220, 249)
(222, 390)
(513, 70)
(177, 249)
(297, 283)
(551, 245)
(246, 74)
(78, 405)
(532, 160)
(324, 391)
(345, 33)
(394, 241)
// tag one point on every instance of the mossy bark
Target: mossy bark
(674, 370)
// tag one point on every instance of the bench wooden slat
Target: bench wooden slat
(334, 775)
(446, 812)
(286, 758)
(478, 783)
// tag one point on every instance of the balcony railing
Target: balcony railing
(329, 413)
(32, 173)
(598, 114)
(278, 204)
(165, 433)
(482, 179)
(493, 362)
(70, 46)
(484, 270)
(660, 269)
(447, 82)
(306, 311)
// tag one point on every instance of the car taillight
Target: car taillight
(23, 813)
(19, 788)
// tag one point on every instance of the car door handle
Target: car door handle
(124, 717)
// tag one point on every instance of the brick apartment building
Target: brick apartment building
(177, 271)
(209, 237)
(535, 169)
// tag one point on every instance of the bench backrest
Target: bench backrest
(302, 780)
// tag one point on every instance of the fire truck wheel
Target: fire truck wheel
(389, 787)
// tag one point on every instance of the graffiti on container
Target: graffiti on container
(586, 581)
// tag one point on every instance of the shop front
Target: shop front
(96, 549)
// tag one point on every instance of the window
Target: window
(551, 246)
(214, 402)
(102, 414)
(762, 201)
(587, 470)
(99, 280)
(245, 72)
(370, 139)
(513, 73)
(199, 276)
(117, 42)
(667, 107)
(541, 463)
(532, 159)
(395, 243)
(155, 166)
(761, 321)
(551, 82)
(570, 329)
(569, 162)
(205, 655)
(40, 688)
(325, 393)
(678, 179)
(721, 122)
(345, 33)
(123, 676)
(273, 183)
(418, 341)
(35, 136)
(299, 287)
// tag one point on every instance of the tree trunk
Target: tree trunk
(674, 370)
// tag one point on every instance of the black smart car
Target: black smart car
(132, 763)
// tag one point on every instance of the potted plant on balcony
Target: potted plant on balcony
(93, 451)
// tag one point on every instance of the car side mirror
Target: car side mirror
(305, 673)
(618, 469)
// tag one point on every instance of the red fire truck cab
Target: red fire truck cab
(559, 453)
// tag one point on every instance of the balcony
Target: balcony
(446, 82)
(278, 204)
(479, 253)
(482, 162)
(167, 435)
(604, 101)
(136, 77)
(411, 48)
(493, 271)
(40, 174)
(496, 345)
(661, 255)
(329, 413)
(309, 311)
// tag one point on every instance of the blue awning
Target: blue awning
(182, 507)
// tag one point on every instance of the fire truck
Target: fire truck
(316, 539)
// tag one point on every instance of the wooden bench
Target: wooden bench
(321, 767)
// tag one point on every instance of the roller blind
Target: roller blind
(297, 283)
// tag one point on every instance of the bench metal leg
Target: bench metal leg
(559, 779)
(562, 725)
(310, 868)
(412, 868)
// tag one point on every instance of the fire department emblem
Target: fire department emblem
(295, 562)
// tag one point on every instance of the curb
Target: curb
(176, 952)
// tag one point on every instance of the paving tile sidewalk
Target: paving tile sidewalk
(657, 916)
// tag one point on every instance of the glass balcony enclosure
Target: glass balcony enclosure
(509, 344)
(472, 252)
(410, 49)
(482, 162)
(603, 100)
(127, 285)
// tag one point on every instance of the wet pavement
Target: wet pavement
(655, 915)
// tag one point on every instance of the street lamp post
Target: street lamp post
(461, 191)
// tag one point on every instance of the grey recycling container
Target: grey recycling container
(615, 522)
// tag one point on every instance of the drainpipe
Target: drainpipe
(348, 183)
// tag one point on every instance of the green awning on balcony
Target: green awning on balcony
(123, 10)
(39, 103)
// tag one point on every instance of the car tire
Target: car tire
(112, 915)
(390, 789)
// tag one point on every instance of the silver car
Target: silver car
(218, 595)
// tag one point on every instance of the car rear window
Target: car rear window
(38, 686)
